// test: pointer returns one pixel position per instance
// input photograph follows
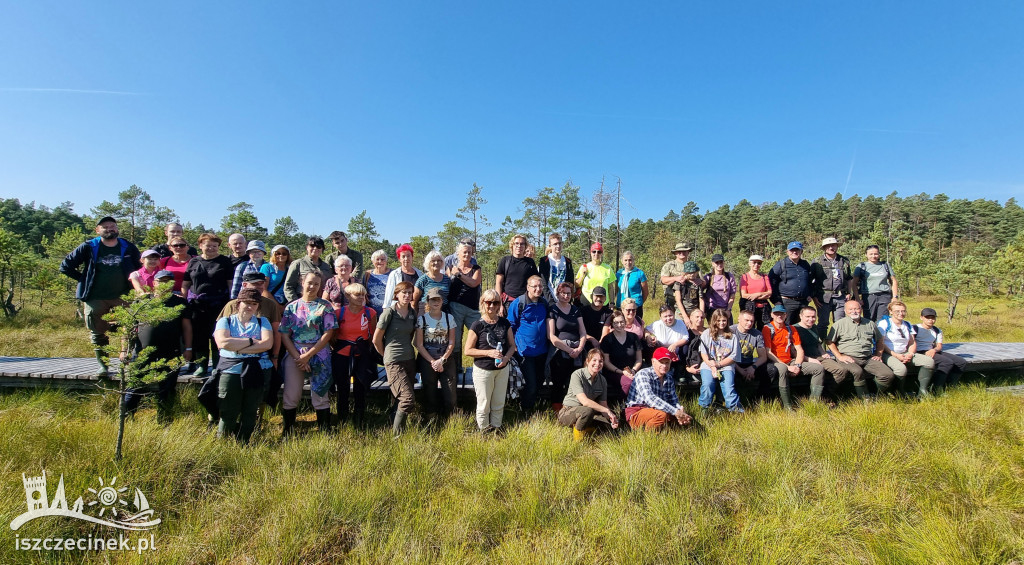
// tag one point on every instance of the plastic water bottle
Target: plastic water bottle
(498, 361)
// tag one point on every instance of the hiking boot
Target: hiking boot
(323, 420)
(288, 414)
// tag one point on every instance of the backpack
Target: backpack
(771, 330)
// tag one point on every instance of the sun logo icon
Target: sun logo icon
(108, 497)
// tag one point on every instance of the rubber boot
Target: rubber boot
(924, 379)
(939, 383)
(785, 397)
(396, 428)
(289, 421)
(862, 392)
(323, 420)
(816, 391)
(580, 435)
(102, 362)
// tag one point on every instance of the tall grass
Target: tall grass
(891, 482)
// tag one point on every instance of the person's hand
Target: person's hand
(683, 418)
(876, 357)
(930, 353)
(275, 362)
(693, 369)
(845, 359)
(813, 360)
(628, 371)
(793, 369)
(651, 340)
(575, 352)
(494, 354)
(614, 421)
(502, 362)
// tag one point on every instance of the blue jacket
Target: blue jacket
(530, 326)
(86, 254)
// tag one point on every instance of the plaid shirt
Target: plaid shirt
(240, 272)
(650, 391)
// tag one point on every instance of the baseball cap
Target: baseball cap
(690, 267)
(163, 275)
(795, 245)
(682, 247)
(663, 353)
(148, 253)
(254, 276)
(599, 291)
(928, 312)
(596, 247)
(434, 293)
(778, 308)
(756, 258)
(717, 257)
(105, 219)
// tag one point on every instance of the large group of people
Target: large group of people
(255, 324)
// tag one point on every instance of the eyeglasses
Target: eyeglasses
(179, 245)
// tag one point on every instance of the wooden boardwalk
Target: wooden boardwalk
(81, 373)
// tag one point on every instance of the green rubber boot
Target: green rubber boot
(396, 428)
(785, 397)
(862, 392)
(924, 379)
(816, 391)
(102, 361)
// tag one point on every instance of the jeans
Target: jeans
(708, 386)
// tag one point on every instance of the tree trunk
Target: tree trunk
(122, 415)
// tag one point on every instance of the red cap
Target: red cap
(663, 353)
(596, 247)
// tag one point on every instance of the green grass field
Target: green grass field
(891, 482)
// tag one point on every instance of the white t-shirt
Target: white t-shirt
(896, 336)
(927, 338)
(435, 332)
(557, 275)
(666, 335)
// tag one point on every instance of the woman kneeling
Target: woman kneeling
(585, 406)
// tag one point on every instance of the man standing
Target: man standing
(752, 361)
(857, 345)
(237, 244)
(652, 398)
(786, 351)
(672, 274)
(101, 266)
(832, 271)
(172, 231)
(815, 352)
(595, 273)
(340, 241)
(792, 282)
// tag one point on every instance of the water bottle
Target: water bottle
(498, 361)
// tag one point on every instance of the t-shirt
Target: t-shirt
(435, 332)
(335, 292)
(236, 261)
(172, 265)
(896, 336)
(353, 325)
(461, 293)
(275, 281)
(720, 289)
(593, 276)
(529, 322)
(668, 335)
(109, 281)
(425, 283)
(375, 286)
(621, 354)
(749, 344)
(780, 341)
(556, 273)
(210, 277)
(268, 309)
(719, 348)
(253, 328)
(165, 336)
(580, 383)
(515, 272)
(630, 285)
(810, 341)
(398, 334)
(566, 323)
(874, 278)
(595, 320)
(145, 278)
(927, 338)
(490, 336)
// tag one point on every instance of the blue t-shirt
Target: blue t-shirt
(275, 281)
(237, 329)
(633, 289)
(530, 329)
(425, 283)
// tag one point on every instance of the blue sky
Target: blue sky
(320, 110)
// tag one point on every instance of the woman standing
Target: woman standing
(464, 294)
(433, 277)
(143, 279)
(376, 281)
(244, 339)
(206, 284)
(334, 288)
(352, 362)
(306, 329)
(275, 270)
(404, 273)
(568, 334)
(177, 262)
(393, 340)
(876, 285)
(435, 341)
(631, 283)
(623, 357)
(755, 290)
(718, 348)
(721, 287)
(491, 344)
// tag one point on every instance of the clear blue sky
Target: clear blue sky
(319, 110)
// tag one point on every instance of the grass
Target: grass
(892, 482)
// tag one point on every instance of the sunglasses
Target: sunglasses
(179, 245)
(596, 252)
(629, 310)
(491, 302)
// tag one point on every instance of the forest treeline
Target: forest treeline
(936, 245)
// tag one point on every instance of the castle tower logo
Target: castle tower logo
(106, 505)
